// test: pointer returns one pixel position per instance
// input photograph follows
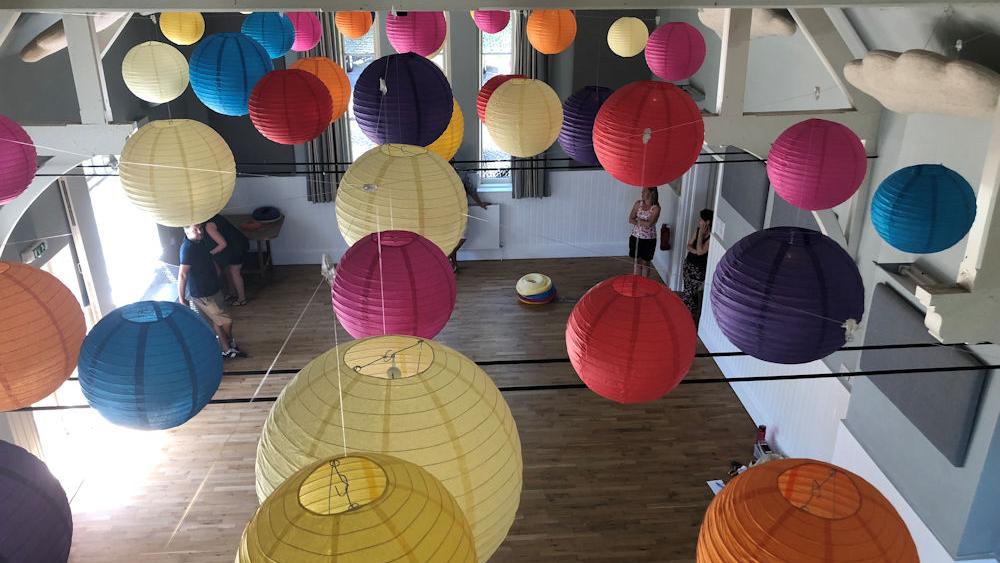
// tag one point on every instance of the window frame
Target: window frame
(376, 54)
(491, 183)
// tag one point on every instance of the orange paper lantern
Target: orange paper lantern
(551, 31)
(803, 511)
(353, 25)
(40, 335)
(333, 77)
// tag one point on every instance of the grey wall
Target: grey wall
(44, 219)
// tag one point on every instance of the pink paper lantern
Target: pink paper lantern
(675, 51)
(491, 21)
(816, 164)
(394, 282)
(422, 33)
(18, 160)
(308, 30)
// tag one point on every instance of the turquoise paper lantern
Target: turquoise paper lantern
(224, 68)
(923, 208)
(272, 30)
(150, 365)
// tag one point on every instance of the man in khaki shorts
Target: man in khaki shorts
(199, 278)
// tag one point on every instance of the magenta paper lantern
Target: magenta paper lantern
(816, 164)
(308, 30)
(422, 33)
(18, 159)
(394, 282)
(675, 51)
(491, 21)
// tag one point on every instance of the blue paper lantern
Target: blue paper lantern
(579, 112)
(272, 30)
(150, 365)
(923, 208)
(35, 520)
(415, 108)
(224, 68)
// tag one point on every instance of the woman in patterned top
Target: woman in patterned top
(642, 242)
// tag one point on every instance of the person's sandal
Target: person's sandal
(239, 302)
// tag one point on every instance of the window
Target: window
(358, 54)
(441, 57)
(496, 56)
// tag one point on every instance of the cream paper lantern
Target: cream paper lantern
(449, 142)
(155, 72)
(179, 171)
(627, 36)
(524, 116)
(402, 187)
(411, 398)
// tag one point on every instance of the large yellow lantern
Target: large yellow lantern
(410, 398)
(402, 187)
(358, 508)
(182, 28)
(155, 72)
(179, 171)
(627, 37)
(449, 142)
(524, 116)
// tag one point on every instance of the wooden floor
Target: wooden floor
(602, 482)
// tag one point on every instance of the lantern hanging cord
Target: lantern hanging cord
(390, 356)
(340, 385)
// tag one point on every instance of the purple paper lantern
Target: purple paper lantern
(35, 520)
(416, 106)
(784, 294)
(579, 112)
(18, 160)
(491, 21)
(422, 33)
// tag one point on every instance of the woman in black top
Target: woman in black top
(696, 263)
(230, 247)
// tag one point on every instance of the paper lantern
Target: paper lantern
(179, 171)
(402, 187)
(358, 507)
(491, 21)
(579, 112)
(451, 140)
(551, 31)
(411, 398)
(182, 28)
(630, 339)
(308, 30)
(155, 72)
(675, 51)
(150, 365)
(648, 133)
(36, 523)
(18, 160)
(483, 98)
(353, 25)
(627, 36)
(524, 116)
(272, 30)
(40, 336)
(224, 69)
(415, 108)
(923, 208)
(422, 33)
(290, 106)
(806, 511)
(816, 164)
(333, 77)
(785, 294)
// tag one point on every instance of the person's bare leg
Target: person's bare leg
(636, 268)
(222, 336)
(235, 272)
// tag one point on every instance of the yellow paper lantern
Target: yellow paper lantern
(182, 28)
(402, 187)
(448, 143)
(627, 36)
(179, 171)
(360, 507)
(410, 398)
(524, 116)
(155, 72)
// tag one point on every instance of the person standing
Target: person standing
(696, 264)
(642, 242)
(230, 247)
(199, 278)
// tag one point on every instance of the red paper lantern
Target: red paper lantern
(630, 339)
(394, 282)
(648, 133)
(290, 106)
(487, 90)
(675, 51)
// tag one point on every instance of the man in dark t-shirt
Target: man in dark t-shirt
(199, 278)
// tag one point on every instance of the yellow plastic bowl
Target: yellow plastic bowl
(533, 284)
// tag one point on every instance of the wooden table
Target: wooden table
(262, 237)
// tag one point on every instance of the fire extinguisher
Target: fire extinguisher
(665, 237)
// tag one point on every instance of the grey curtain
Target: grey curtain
(333, 146)
(528, 174)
